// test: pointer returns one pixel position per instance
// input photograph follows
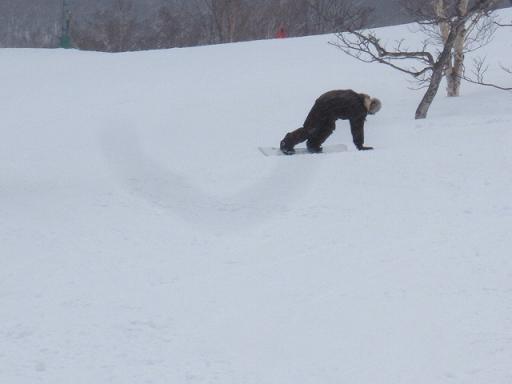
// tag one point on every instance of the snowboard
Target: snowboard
(274, 151)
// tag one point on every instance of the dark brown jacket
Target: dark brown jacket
(340, 104)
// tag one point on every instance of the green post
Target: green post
(65, 39)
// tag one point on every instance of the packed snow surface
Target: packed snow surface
(145, 239)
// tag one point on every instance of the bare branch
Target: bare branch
(445, 24)
(480, 68)
(469, 80)
(368, 48)
(508, 70)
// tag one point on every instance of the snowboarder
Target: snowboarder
(321, 120)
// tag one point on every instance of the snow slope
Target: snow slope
(144, 239)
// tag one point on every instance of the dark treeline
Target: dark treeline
(127, 25)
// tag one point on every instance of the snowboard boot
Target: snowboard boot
(286, 149)
(314, 149)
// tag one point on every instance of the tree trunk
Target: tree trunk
(454, 76)
(454, 65)
(458, 53)
(435, 81)
(437, 72)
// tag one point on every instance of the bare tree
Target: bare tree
(428, 64)
(340, 15)
(166, 31)
(236, 20)
(115, 25)
(227, 18)
(112, 29)
(25, 23)
(476, 32)
(123, 25)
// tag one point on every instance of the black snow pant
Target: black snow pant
(315, 136)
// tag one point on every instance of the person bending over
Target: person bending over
(321, 120)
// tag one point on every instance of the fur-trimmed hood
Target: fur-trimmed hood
(372, 104)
